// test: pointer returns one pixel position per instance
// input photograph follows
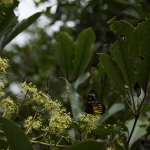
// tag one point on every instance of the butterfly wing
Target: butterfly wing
(98, 109)
(92, 104)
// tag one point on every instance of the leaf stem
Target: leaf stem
(137, 115)
(135, 121)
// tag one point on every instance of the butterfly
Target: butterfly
(93, 106)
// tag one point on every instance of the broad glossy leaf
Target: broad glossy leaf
(18, 28)
(120, 52)
(15, 136)
(75, 101)
(83, 51)
(88, 145)
(65, 53)
(113, 71)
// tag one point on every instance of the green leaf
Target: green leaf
(7, 18)
(83, 51)
(119, 147)
(105, 83)
(75, 126)
(143, 73)
(120, 52)
(103, 131)
(75, 101)
(81, 79)
(15, 136)
(7, 2)
(18, 28)
(122, 125)
(125, 2)
(65, 52)
(112, 110)
(113, 71)
(139, 43)
(139, 49)
(96, 79)
(3, 144)
(88, 145)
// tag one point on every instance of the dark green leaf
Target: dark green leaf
(139, 49)
(18, 28)
(7, 18)
(88, 145)
(15, 136)
(122, 125)
(75, 126)
(96, 79)
(119, 147)
(3, 144)
(113, 71)
(143, 73)
(120, 52)
(65, 51)
(103, 131)
(83, 51)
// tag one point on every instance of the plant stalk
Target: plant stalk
(135, 121)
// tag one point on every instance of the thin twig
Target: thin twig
(137, 115)
(135, 121)
(27, 131)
